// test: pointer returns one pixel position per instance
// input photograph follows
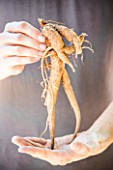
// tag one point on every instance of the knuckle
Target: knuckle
(34, 43)
(23, 24)
(33, 52)
(30, 52)
(21, 61)
(18, 49)
(19, 37)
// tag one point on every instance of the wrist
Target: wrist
(103, 126)
(102, 139)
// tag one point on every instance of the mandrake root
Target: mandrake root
(54, 72)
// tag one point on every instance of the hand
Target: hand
(86, 144)
(20, 44)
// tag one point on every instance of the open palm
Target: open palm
(40, 148)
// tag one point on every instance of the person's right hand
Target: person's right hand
(20, 44)
(86, 144)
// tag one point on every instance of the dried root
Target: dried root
(54, 72)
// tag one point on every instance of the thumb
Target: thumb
(79, 148)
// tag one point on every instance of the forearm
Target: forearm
(103, 127)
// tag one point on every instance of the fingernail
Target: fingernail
(41, 38)
(42, 46)
(40, 53)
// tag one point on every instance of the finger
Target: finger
(17, 140)
(16, 60)
(79, 148)
(37, 140)
(54, 157)
(25, 28)
(64, 139)
(20, 141)
(8, 50)
(41, 153)
(21, 39)
(34, 143)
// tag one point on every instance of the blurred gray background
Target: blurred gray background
(21, 108)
